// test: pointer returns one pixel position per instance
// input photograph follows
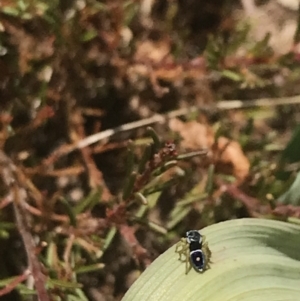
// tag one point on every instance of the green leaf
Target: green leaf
(69, 210)
(210, 179)
(89, 35)
(151, 203)
(292, 196)
(234, 76)
(99, 6)
(11, 11)
(145, 158)
(89, 202)
(180, 212)
(109, 237)
(155, 138)
(20, 287)
(90, 268)
(128, 188)
(290, 154)
(252, 259)
(63, 284)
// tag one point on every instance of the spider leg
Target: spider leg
(182, 248)
(207, 254)
(188, 265)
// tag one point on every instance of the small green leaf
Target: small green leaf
(100, 6)
(4, 234)
(155, 138)
(7, 281)
(81, 295)
(141, 198)
(89, 268)
(164, 168)
(109, 237)
(128, 188)
(157, 228)
(145, 158)
(151, 202)
(20, 287)
(11, 11)
(69, 211)
(89, 202)
(130, 158)
(63, 284)
(89, 35)
(23, 5)
(252, 260)
(232, 75)
(210, 179)
(177, 215)
(189, 155)
(192, 199)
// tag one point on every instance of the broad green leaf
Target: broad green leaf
(253, 259)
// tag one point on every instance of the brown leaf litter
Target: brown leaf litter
(226, 154)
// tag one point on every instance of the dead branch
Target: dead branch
(11, 179)
(12, 285)
(221, 105)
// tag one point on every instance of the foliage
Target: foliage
(90, 194)
(249, 263)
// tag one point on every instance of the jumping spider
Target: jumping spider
(194, 251)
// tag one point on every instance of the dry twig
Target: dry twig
(12, 181)
(221, 105)
(11, 286)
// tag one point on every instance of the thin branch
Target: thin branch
(67, 253)
(262, 102)
(11, 179)
(221, 105)
(77, 133)
(12, 285)
(63, 172)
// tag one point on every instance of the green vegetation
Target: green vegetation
(250, 262)
(125, 123)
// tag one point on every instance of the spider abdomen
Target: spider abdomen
(197, 259)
